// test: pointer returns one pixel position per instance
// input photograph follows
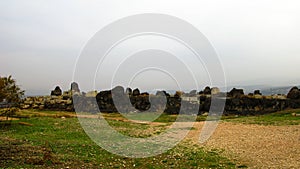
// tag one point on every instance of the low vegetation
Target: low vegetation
(287, 117)
(56, 140)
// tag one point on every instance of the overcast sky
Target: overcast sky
(258, 41)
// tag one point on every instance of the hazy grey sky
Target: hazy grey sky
(258, 41)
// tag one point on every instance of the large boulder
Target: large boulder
(215, 91)
(136, 92)
(118, 91)
(294, 93)
(236, 92)
(128, 91)
(257, 92)
(75, 87)
(207, 90)
(56, 92)
(145, 94)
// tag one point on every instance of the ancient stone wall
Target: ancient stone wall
(132, 100)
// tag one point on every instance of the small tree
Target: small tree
(10, 95)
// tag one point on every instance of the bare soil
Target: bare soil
(255, 146)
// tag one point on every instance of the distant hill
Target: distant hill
(264, 89)
(277, 90)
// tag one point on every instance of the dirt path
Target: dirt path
(256, 146)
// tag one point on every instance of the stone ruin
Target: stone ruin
(56, 92)
(294, 93)
(57, 100)
(128, 100)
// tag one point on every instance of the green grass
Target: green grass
(165, 118)
(278, 119)
(55, 142)
(61, 142)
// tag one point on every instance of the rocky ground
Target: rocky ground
(255, 146)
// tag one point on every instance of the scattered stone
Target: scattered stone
(91, 94)
(205, 114)
(25, 124)
(295, 114)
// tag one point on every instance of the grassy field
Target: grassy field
(281, 118)
(46, 140)
(52, 139)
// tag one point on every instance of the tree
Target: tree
(10, 95)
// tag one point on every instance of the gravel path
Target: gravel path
(255, 146)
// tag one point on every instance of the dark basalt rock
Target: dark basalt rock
(56, 92)
(128, 91)
(136, 92)
(207, 90)
(144, 94)
(236, 93)
(75, 87)
(294, 93)
(257, 92)
(118, 100)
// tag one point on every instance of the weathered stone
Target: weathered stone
(178, 94)
(207, 90)
(68, 102)
(205, 114)
(258, 96)
(128, 91)
(52, 101)
(281, 97)
(56, 92)
(118, 91)
(144, 94)
(91, 94)
(257, 92)
(215, 90)
(235, 104)
(294, 93)
(236, 92)
(296, 114)
(136, 92)
(34, 106)
(75, 87)
(25, 106)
